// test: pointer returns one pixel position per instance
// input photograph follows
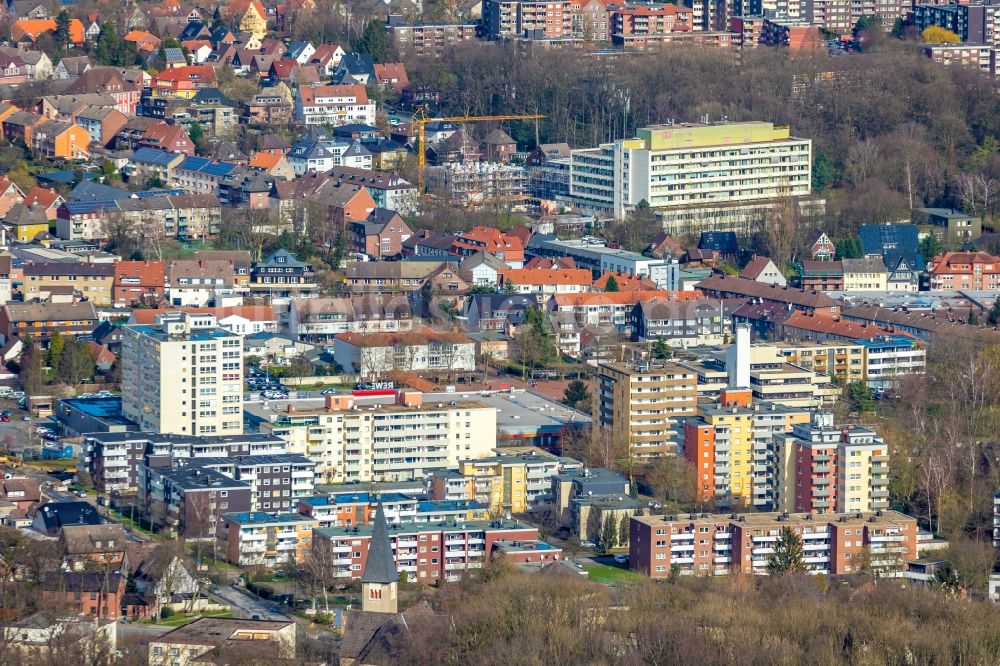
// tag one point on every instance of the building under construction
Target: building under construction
(478, 183)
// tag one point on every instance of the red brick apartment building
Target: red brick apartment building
(717, 545)
(639, 26)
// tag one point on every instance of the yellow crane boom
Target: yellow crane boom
(422, 121)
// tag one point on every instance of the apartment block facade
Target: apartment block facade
(114, 458)
(975, 22)
(512, 483)
(827, 468)
(842, 15)
(693, 172)
(717, 545)
(183, 375)
(428, 39)
(268, 539)
(964, 271)
(426, 552)
(401, 441)
(640, 26)
(503, 19)
(640, 403)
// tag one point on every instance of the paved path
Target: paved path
(245, 606)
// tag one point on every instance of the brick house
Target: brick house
(380, 235)
(94, 594)
(139, 282)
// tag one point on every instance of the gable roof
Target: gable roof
(755, 267)
(85, 539)
(720, 241)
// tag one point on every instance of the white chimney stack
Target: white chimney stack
(738, 359)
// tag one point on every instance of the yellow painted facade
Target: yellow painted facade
(734, 440)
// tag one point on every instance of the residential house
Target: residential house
(25, 32)
(243, 320)
(762, 269)
(720, 244)
(355, 68)
(102, 123)
(898, 246)
(327, 57)
(498, 146)
(381, 235)
(47, 199)
(250, 188)
(58, 140)
(19, 127)
(506, 247)
(199, 282)
(544, 283)
(188, 501)
(111, 81)
(71, 67)
(10, 195)
(825, 275)
(83, 220)
(272, 105)
(249, 15)
(865, 274)
(51, 517)
(145, 42)
(153, 164)
(388, 189)
(964, 271)
(951, 226)
(87, 546)
(423, 349)
(26, 222)
(282, 275)
(171, 138)
(183, 82)
(223, 641)
(681, 322)
(482, 269)
(93, 282)
(139, 283)
(426, 243)
(93, 594)
(322, 319)
(388, 277)
(199, 175)
(301, 51)
(273, 165)
(391, 75)
(13, 70)
(334, 105)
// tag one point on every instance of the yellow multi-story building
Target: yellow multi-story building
(694, 174)
(733, 452)
(503, 483)
(843, 360)
(640, 403)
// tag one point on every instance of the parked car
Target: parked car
(621, 559)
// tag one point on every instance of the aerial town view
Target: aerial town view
(499, 332)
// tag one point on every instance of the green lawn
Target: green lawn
(609, 574)
(180, 619)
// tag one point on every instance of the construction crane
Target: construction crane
(421, 121)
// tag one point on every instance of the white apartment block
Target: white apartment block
(374, 355)
(691, 172)
(183, 375)
(386, 442)
(334, 105)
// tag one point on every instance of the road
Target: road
(245, 606)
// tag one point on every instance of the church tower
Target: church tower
(380, 580)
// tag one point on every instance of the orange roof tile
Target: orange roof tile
(623, 297)
(579, 276)
(36, 27)
(625, 282)
(42, 196)
(250, 312)
(264, 160)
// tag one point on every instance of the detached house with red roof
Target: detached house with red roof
(183, 82)
(334, 105)
(506, 247)
(171, 138)
(47, 199)
(762, 269)
(392, 75)
(10, 195)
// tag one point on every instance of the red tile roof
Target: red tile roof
(149, 273)
(561, 276)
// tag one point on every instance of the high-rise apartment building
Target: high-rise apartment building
(730, 448)
(640, 402)
(694, 175)
(975, 22)
(828, 468)
(842, 15)
(183, 375)
(716, 545)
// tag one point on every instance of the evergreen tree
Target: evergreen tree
(994, 316)
(788, 556)
(823, 174)
(32, 374)
(623, 526)
(660, 349)
(62, 36)
(374, 41)
(576, 392)
(611, 285)
(609, 534)
(930, 247)
(56, 345)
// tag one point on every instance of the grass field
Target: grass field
(609, 574)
